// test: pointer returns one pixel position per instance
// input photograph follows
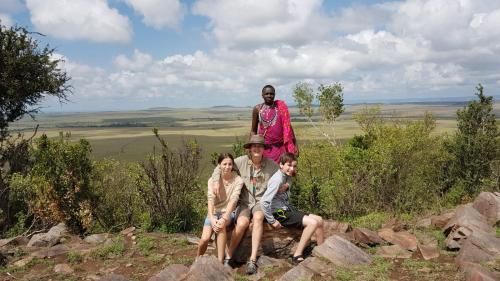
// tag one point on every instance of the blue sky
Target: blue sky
(134, 54)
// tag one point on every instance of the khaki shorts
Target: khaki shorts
(245, 211)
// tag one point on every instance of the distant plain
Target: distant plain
(128, 136)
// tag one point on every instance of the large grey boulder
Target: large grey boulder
(174, 272)
(468, 216)
(479, 247)
(95, 239)
(341, 252)
(208, 268)
(488, 204)
(52, 237)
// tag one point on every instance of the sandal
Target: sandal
(251, 267)
(297, 259)
(228, 262)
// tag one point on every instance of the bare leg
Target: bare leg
(221, 244)
(257, 229)
(204, 240)
(320, 232)
(310, 225)
(239, 231)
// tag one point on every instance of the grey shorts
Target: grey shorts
(245, 211)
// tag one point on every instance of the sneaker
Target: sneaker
(251, 267)
(228, 263)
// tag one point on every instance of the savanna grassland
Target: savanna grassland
(127, 135)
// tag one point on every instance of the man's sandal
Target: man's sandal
(297, 259)
(251, 267)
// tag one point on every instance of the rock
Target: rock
(174, 272)
(475, 272)
(441, 220)
(57, 250)
(488, 204)
(95, 239)
(341, 252)
(394, 251)
(278, 243)
(479, 247)
(456, 237)
(63, 268)
(467, 216)
(208, 268)
(318, 266)
(50, 238)
(429, 252)
(265, 261)
(402, 238)
(193, 240)
(395, 224)
(14, 241)
(297, 273)
(424, 223)
(23, 262)
(332, 227)
(366, 236)
(114, 277)
(127, 231)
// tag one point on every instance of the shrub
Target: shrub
(396, 169)
(118, 202)
(57, 188)
(173, 195)
(474, 149)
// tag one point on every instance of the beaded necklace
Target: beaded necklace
(264, 110)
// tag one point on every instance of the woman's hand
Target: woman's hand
(215, 225)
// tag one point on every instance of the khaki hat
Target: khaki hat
(256, 139)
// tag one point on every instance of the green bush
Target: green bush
(396, 169)
(57, 188)
(118, 203)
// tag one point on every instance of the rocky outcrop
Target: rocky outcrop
(366, 237)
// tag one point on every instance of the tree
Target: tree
(331, 105)
(28, 73)
(475, 145)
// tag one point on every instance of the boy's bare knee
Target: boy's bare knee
(320, 221)
(258, 217)
(242, 222)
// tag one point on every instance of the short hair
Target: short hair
(268, 86)
(287, 157)
(223, 156)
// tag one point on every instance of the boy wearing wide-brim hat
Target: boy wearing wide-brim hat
(255, 170)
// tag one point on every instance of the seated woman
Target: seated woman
(271, 119)
(221, 206)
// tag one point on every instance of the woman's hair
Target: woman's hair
(223, 156)
(287, 157)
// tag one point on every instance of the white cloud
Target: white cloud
(389, 50)
(137, 62)
(80, 19)
(159, 13)
(5, 20)
(253, 23)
